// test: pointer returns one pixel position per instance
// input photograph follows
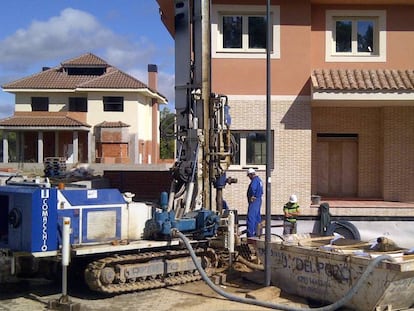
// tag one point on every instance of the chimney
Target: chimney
(152, 76)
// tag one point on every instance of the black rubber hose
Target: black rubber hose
(340, 303)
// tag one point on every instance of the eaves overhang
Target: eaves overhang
(39, 90)
(361, 96)
(369, 85)
(44, 128)
(144, 91)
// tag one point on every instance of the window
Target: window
(113, 103)
(242, 32)
(78, 104)
(252, 148)
(86, 71)
(40, 103)
(355, 36)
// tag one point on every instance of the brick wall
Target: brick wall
(112, 153)
(292, 151)
(385, 144)
(399, 154)
(367, 123)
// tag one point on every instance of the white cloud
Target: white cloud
(70, 34)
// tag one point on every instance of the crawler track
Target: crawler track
(136, 272)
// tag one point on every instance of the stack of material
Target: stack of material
(55, 167)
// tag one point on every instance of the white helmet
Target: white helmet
(293, 198)
(251, 171)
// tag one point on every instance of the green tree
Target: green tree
(167, 134)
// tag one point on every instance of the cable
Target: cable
(341, 302)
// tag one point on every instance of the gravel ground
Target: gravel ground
(197, 296)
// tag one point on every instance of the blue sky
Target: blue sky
(128, 34)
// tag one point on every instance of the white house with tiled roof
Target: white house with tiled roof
(85, 111)
(342, 95)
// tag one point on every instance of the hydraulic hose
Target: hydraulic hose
(340, 303)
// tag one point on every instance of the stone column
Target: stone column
(5, 147)
(75, 147)
(40, 147)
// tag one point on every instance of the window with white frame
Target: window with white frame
(241, 32)
(355, 36)
(251, 148)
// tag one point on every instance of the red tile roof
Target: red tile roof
(41, 119)
(58, 77)
(87, 59)
(363, 80)
(112, 124)
(53, 78)
(114, 79)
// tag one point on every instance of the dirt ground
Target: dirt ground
(27, 295)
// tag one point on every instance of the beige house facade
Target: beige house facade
(83, 111)
(342, 96)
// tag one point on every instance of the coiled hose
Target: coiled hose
(341, 302)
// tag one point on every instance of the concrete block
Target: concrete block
(64, 304)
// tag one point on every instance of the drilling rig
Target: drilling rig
(124, 245)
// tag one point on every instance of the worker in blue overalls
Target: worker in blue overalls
(254, 198)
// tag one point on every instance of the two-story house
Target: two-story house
(342, 95)
(84, 111)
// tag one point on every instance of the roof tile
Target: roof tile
(42, 119)
(87, 59)
(58, 77)
(112, 124)
(115, 79)
(363, 80)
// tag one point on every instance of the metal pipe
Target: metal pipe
(219, 200)
(190, 189)
(171, 196)
(65, 254)
(269, 146)
(206, 94)
(231, 232)
(189, 197)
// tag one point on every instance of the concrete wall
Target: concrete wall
(292, 150)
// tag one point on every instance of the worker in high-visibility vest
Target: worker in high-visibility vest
(290, 211)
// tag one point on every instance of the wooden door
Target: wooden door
(337, 166)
